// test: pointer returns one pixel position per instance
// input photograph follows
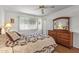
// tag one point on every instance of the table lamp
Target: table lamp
(8, 26)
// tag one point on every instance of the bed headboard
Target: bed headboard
(0, 30)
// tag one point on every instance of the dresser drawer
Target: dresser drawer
(64, 42)
(63, 37)
(63, 34)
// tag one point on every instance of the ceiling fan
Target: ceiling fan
(43, 7)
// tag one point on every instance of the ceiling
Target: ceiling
(34, 9)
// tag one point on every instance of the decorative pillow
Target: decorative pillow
(13, 36)
(21, 42)
(18, 33)
(9, 43)
(33, 39)
(15, 39)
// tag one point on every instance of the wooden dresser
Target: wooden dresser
(62, 37)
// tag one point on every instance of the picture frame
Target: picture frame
(12, 20)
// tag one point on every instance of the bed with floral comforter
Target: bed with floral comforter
(12, 42)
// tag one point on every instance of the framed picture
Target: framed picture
(12, 20)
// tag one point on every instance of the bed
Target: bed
(12, 42)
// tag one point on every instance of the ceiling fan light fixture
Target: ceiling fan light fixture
(42, 6)
(42, 10)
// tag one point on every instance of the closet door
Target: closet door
(44, 26)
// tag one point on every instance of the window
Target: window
(28, 23)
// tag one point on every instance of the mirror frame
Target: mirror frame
(64, 18)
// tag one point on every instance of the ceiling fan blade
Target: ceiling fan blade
(47, 6)
(51, 7)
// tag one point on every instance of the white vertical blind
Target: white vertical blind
(28, 23)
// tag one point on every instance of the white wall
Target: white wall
(70, 12)
(8, 16)
(15, 15)
(2, 15)
(74, 23)
(73, 13)
(44, 25)
(75, 29)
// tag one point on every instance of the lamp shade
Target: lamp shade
(8, 25)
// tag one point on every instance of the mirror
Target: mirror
(61, 23)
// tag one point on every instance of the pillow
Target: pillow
(33, 39)
(9, 43)
(18, 33)
(13, 36)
